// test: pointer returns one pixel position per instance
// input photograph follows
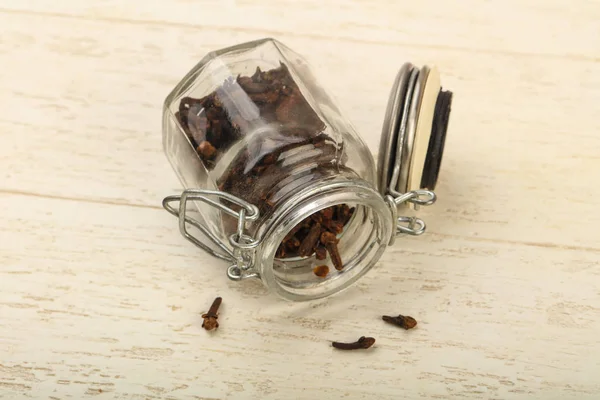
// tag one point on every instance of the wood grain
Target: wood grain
(100, 296)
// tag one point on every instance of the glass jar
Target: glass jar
(281, 184)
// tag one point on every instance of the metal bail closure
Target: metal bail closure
(414, 131)
(241, 253)
(412, 141)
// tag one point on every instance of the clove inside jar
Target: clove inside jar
(279, 182)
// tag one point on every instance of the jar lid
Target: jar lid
(414, 131)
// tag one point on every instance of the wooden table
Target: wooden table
(100, 295)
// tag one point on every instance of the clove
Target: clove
(333, 226)
(309, 242)
(362, 343)
(321, 271)
(206, 150)
(327, 213)
(320, 253)
(402, 321)
(210, 318)
(330, 241)
(293, 243)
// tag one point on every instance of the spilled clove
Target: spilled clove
(210, 318)
(405, 322)
(362, 343)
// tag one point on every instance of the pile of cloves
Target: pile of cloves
(240, 105)
(317, 235)
(267, 168)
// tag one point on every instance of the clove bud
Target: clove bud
(402, 321)
(362, 343)
(309, 242)
(330, 241)
(210, 318)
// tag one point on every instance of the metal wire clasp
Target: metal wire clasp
(241, 253)
(409, 225)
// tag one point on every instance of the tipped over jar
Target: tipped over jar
(276, 180)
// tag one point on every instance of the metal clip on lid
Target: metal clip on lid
(412, 142)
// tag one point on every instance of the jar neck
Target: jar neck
(361, 244)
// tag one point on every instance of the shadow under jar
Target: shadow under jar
(281, 184)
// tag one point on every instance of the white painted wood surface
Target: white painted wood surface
(99, 295)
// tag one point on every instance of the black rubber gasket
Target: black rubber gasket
(435, 150)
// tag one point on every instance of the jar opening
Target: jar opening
(359, 245)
